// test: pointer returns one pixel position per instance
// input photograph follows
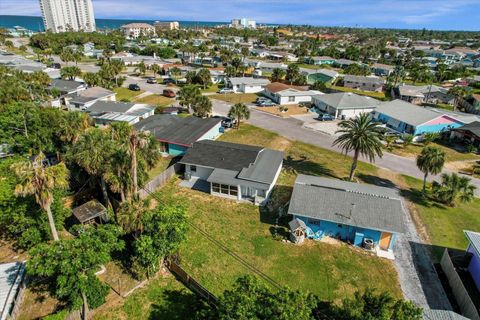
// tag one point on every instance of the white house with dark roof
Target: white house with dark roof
(363, 83)
(344, 105)
(365, 215)
(84, 99)
(285, 94)
(247, 85)
(231, 170)
(104, 112)
(427, 93)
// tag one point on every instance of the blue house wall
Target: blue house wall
(402, 126)
(353, 234)
(176, 150)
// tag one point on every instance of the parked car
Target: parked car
(266, 103)
(134, 87)
(168, 81)
(169, 93)
(228, 122)
(225, 90)
(261, 99)
(325, 117)
(152, 80)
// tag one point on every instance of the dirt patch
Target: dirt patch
(331, 241)
(9, 254)
(280, 143)
(288, 110)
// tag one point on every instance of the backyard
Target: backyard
(126, 94)
(236, 97)
(377, 95)
(452, 154)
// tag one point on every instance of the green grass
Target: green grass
(156, 100)
(212, 88)
(451, 154)
(126, 94)
(444, 224)
(163, 298)
(161, 165)
(377, 95)
(236, 97)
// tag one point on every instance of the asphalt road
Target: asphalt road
(293, 129)
(142, 83)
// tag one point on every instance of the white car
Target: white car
(226, 90)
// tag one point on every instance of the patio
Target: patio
(196, 184)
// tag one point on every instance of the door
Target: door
(385, 240)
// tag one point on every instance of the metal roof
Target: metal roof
(430, 314)
(89, 210)
(338, 201)
(249, 81)
(11, 275)
(347, 100)
(474, 239)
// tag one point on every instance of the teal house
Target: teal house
(363, 215)
(177, 134)
(318, 61)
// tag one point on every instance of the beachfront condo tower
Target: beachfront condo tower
(65, 15)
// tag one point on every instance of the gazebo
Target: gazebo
(90, 212)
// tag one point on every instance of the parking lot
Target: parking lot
(309, 121)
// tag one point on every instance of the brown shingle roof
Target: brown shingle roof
(278, 86)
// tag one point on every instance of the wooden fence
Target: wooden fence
(459, 291)
(174, 266)
(160, 180)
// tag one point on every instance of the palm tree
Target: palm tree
(278, 74)
(362, 136)
(93, 152)
(430, 161)
(458, 93)
(155, 70)
(40, 181)
(239, 111)
(141, 68)
(187, 96)
(202, 107)
(175, 73)
(138, 140)
(130, 216)
(91, 79)
(73, 125)
(70, 72)
(453, 188)
(204, 77)
(66, 55)
(293, 72)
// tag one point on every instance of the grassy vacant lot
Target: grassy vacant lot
(163, 298)
(451, 154)
(126, 94)
(292, 110)
(377, 95)
(443, 224)
(236, 97)
(156, 100)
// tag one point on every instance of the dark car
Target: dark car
(169, 93)
(152, 80)
(168, 81)
(228, 122)
(266, 103)
(134, 87)
(325, 117)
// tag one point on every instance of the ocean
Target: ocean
(36, 23)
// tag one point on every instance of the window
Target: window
(224, 188)
(233, 191)
(340, 225)
(314, 222)
(291, 99)
(215, 187)
(193, 168)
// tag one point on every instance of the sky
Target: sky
(410, 14)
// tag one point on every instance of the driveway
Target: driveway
(142, 83)
(294, 129)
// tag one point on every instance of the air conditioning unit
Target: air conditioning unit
(187, 175)
(368, 244)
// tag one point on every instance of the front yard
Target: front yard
(290, 110)
(236, 97)
(156, 100)
(412, 150)
(126, 94)
(377, 95)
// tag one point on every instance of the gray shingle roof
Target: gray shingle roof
(347, 100)
(110, 106)
(362, 79)
(407, 112)
(430, 314)
(347, 203)
(474, 239)
(176, 130)
(473, 127)
(89, 210)
(251, 163)
(11, 275)
(249, 81)
(419, 91)
(65, 85)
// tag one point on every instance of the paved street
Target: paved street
(293, 129)
(142, 82)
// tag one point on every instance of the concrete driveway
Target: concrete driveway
(142, 83)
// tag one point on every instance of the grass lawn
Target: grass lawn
(236, 97)
(156, 100)
(443, 224)
(212, 88)
(292, 110)
(377, 95)
(315, 266)
(125, 93)
(162, 164)
(451, 154)
(163, 298)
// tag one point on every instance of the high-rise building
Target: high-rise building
(64, 15)
(243, 23)
(173, 25)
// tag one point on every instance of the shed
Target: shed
(89, 211)
(298, 230)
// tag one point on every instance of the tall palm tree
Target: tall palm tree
(187, 96)
(175, 73)
(130, 216)
(453, 188)
(138, 140)
(430, 161)
(93, 152)
(73, 125)
(155, 69)
(239, 111)
(362, 136)
(40, 181)
(458, 93)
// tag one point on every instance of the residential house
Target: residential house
(408, 118)
(67, 86)
(344, 63)
(285, 94)
(363, 83)
(134, 30)
(270, 66)
(177, 134)
(247, 85)
(231, 170)
(90, 51)
(469, 133)
(363, 215)
(322, 75)
(319, 61)
(424, 94)
(434, 314)
(382, 70)
(82, 100)
(217, 75)
(11, 283)
(344, 105)
(105, 112)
